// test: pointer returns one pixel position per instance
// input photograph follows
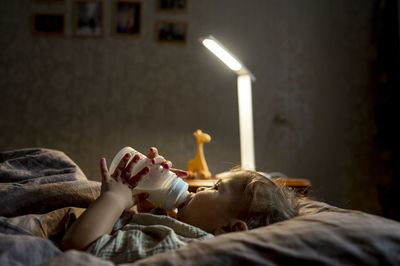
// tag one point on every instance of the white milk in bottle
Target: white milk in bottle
(165, 189)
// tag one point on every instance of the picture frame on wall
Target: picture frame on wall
(48, 24)
(49, 1)
(171, 32)
(172, 6)
(127, 18)
(89, 18)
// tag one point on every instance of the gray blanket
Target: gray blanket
(43, 192)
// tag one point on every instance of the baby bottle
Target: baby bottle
(165, 189)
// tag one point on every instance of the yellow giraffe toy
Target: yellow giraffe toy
(199, 162)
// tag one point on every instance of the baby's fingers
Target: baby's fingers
(133, 181)
(128, 171)
(180, 173)
(153, 153)
(158, 160)
(105, 175)
(121, 165)
(167, 164)
(162, 161)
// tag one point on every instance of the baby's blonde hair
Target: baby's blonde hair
(265, 201)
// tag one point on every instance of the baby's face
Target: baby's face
(210, 208)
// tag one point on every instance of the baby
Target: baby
(243, 200)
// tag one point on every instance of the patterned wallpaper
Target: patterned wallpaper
(91, 96)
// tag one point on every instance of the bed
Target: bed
(43, 191)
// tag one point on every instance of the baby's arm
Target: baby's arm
(100, 217)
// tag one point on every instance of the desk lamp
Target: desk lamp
(244, 79)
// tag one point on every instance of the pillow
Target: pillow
(321, 234)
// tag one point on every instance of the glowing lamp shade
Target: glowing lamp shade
(244, 79)
(222, 54)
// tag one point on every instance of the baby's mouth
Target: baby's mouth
(183, 204)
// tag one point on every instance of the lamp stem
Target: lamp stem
(246, 122)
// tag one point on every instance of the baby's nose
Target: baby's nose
(200, 189)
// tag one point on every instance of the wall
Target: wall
(313, 104)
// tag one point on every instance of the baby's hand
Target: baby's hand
(117, 185)
(158, 159)
(146, 206)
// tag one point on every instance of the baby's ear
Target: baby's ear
(235, 225)
(238, 225)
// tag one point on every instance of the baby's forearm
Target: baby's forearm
(97, 220)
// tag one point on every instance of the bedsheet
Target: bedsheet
(43, 191)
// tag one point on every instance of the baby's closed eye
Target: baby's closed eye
(216, 185)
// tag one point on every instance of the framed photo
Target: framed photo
(50, 1)
(89, 18)
(171, 32)
(173, 6)
(48, 24)
(127, 18)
